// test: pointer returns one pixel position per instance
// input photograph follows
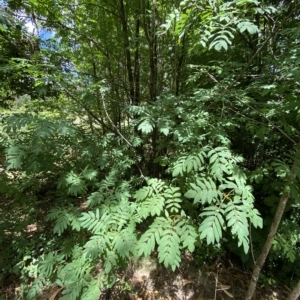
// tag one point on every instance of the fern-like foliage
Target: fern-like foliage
(161, 231)
(187, 232)
(73, 182)
(92, 291)
(40, 142)
(173, 199)
(47, 265)
(186, 164)
(75, 277)
(211, 227)
(159, 177)
(225, 197)
(124, 242)
(150, 198)
(204, 190)
(36, 288)
(63, 218)
(168, 249)
(170, 237)
(223, 23)
(112, 224)
(146, 126)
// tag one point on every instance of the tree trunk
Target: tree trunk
(295, 293)
(137, 65)
(273, 230)
(268, 244)
(123, 19)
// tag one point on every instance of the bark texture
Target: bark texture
(295, 294)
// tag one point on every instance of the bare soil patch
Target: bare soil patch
(147, 280)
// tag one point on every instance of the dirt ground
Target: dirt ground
(223, 281)
(147, 280)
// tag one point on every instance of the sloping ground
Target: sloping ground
(222, 280)
(147, 280)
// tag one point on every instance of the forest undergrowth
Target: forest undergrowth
(142, 131)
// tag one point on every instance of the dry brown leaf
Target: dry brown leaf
(228, 294)
(56, 293)
(186, 282)
(224, 287)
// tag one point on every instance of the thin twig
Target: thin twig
(273, 32)
(251, 244)
(254, 109)
(121, 135)
(113, 124)
(270, 122)
(101, 122)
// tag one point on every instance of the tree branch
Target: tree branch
(275, 30)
